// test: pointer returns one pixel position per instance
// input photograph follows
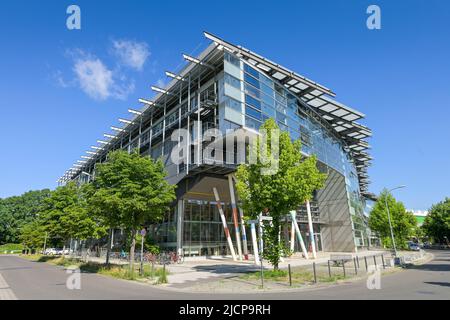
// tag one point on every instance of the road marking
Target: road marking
(5, 291)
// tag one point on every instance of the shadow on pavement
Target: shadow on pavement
(430, 267)
(223, 268)
(443, 284)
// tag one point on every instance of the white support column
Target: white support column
(235, 216)
(299, 235)
(188, 142)
(199, 128)
(292, 236)
(311, 230)
(180, 216)
(244, 232)
(224, 223)
(254, 242)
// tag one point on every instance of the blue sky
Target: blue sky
(52, 109)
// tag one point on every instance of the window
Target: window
(145, 137)
(293, 124)
(251, 71)
(251, 80)
(252, 123)
(157, 128)
(267, 90)
(294, 135)
(280, 98)
(232, 59)
(172, 118)
(267, 81)
(280, 107)
(253, 102)
(281, 117)
(156, 151)
(233, 104)
(292, 114)
(232, 81)
(306, 139)
(268, 100)
(252, 91)
(252, 112)
(268, 110)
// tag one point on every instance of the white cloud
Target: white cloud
(131, 53)
(97, 80)
(94, 78)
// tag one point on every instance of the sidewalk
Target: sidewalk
(204, 269)
(191, 271)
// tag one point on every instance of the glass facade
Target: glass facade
(266, 98)
(229, 95)
(203, 233)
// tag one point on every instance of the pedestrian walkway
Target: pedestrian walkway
(204, 269)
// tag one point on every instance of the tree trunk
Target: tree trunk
(108, 246)
(275, 233)
(132, 248)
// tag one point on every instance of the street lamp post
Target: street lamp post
(389, 218)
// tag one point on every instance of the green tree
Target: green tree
(130, 191)
(18, 211)
(282, 191)
(33, 235)
(65, 215)
(437, 222)
(403, 222)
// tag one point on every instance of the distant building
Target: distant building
(420, 215)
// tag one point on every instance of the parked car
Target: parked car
(51, 251)
(61, 252)
(413, 246)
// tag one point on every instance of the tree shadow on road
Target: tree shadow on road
(226, 268)
(443, 284)
(429, 267)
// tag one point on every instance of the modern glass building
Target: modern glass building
(227, 87)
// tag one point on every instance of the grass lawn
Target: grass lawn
(11, 248)
(157, 274)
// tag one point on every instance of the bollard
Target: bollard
(343, 266)
(314, 270)
(290, 276)
(375, 261)
(329, 269)
(357, 261)
(354, 263)
(382, 259)
(365, 261)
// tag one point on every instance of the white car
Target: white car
(61, 252)
(414, 246)
(50, 252)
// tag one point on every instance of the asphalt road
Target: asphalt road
(23, 279)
